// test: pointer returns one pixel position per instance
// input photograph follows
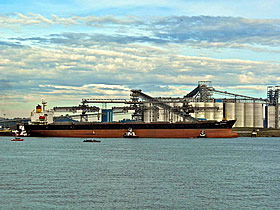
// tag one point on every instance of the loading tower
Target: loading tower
(273, 100)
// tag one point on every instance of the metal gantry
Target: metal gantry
(273, 99)
(204, 92)
(84, 108)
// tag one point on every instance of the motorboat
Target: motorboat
(91, 140)
(17, 139)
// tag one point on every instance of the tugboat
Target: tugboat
(91, 140)
(202, 134)
(130, 134)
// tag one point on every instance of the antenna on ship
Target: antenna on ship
(44, 104)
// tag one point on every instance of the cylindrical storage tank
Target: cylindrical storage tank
(38, 109)
(249, 115)
(170, 114)
(271, 117)
(162, 114)
(177, 117)
(154, 113)
(174, 117)
(258, 115)
(147, 112)
(107, 115)
(279, 116)
(230, 111)
(209, 113)
(201, 113)
(193, 105)
(218, 114)
(239, 115)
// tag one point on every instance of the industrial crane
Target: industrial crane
(84, 108)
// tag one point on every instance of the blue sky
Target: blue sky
(63, 51)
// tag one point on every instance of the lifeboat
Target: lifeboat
(42, 118)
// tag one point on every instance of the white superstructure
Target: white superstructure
(42, 116)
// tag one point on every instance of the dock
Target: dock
(261, 132)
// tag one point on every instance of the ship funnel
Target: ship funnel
(38, 108)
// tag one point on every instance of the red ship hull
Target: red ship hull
(142, 133)
(209, 129)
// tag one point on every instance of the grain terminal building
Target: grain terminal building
(248, 111)
(199, 104)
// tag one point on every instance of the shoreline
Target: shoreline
(261, 132)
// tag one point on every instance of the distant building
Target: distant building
(12, 123)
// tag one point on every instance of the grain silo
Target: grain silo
(239, 114)
(218, 114)
(271, 116)
(201, 113)
(258, 115)
(230, 111)
(147, 112)
(178, 118)
(161, 114)
(209, 114)
(249, 115)
(171, 116)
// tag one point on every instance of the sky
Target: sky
(64, 51)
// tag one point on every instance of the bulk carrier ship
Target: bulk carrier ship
(42, 123)
(207, 129)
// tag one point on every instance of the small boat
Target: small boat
(17, 139)
(202, 134)
(254, 133)
(91, 140)
(130, 134)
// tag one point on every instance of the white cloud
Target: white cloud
(63, 21)
(75, 65)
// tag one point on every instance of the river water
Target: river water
(66, 173)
